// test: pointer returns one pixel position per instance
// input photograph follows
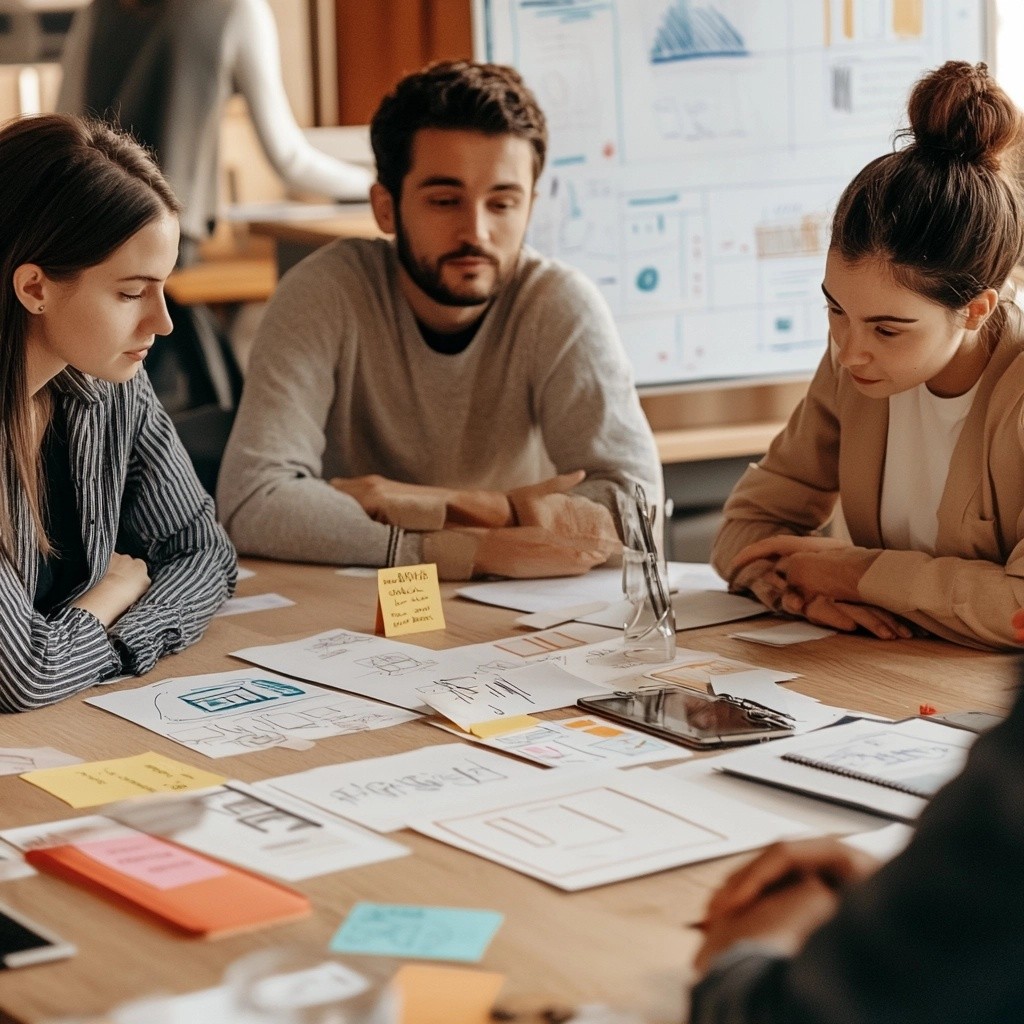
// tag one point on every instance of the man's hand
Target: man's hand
(420, 507)
(124, 582)
(532, 552)
(781, 895)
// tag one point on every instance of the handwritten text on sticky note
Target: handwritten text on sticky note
(429, 933)
(409, 599)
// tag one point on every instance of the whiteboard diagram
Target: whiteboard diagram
(697, 150)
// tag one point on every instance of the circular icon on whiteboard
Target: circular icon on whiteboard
(647, 279)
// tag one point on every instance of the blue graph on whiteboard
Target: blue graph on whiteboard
(687, 32)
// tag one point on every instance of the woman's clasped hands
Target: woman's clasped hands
(815, 578)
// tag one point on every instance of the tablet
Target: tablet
(693, 719)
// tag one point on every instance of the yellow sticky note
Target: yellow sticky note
(500, 726)
(427, 994)
(101, 782)
(409, 600)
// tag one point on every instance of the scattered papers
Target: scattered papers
(372, 666)
(409, 600)
(427, 994)
(572, 742)
(266, 835)
(403, 674)
(256, 603)
(426, 933)
(581, 829)
(19, 760)
(358, 571)
(471, 699)
(785, 634)
(227, 713)
(102, 782)
(558, 617)
(759, 686)
(383, 793)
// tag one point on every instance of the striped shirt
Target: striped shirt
(136, 494)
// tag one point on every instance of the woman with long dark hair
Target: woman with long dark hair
(110, 553)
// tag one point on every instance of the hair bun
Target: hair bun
(958, 112)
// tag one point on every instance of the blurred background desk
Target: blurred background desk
(625, 944)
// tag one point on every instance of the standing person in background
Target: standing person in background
(164, 69)
(450, 396)
(110, 553)
(914, 421)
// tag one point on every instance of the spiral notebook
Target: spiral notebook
(891, 769)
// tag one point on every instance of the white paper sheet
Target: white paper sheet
(245, 574)
(484, 697)
(575, 830)
(785, 634)
(12, 865)
(383, 793)
(692, 608)
(226, 713)
(597, 585)
(573, 742)
(255, 603)
(269, 835)
(357, 662)
(19, 760)
(87, 828)
(883, 843)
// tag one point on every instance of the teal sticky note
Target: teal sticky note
(424, 933)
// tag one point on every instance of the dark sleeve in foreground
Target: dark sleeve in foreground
(935, 935)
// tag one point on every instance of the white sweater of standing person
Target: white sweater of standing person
(342, 384)
(164, 71)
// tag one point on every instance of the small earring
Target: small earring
(40, 309)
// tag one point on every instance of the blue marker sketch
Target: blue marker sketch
(240, 694)
(688, 32)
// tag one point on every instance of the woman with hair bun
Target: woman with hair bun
(914, 422)
(110, 552)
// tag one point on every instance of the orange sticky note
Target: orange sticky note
(604, 730)
(500, 726)
(427, 994)
(408, 600)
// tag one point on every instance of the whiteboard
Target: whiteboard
(698, 149)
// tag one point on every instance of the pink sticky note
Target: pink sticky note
(150, 860)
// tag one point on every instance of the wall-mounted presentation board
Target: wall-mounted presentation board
(697, 151)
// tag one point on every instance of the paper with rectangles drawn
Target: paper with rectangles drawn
(575, 830)
(383, 793)
(227, 713)
(271, 836)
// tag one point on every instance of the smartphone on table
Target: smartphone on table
(697, 720)
(23, 942)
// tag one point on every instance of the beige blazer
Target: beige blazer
(833, 449)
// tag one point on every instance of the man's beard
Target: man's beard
(427, 277)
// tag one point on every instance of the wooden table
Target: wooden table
(624, 944)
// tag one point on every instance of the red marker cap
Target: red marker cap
(926, 709)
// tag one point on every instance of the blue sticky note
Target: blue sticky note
(425, 933)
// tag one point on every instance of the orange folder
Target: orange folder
(196, 894)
